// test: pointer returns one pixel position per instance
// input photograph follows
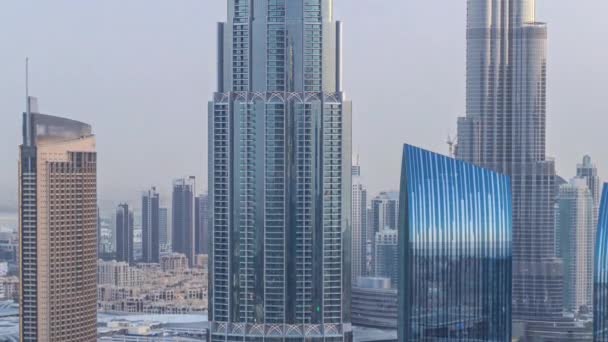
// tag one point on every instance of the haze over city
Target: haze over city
(141, 72)
(303, 170)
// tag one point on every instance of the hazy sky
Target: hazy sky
(141, 72)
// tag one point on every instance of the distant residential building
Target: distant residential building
(359, 224)
(150, 226)
(385, 211)
(125, 234)
(174, 263)
(455, 278)
(387, 255)
(159, 293)
(164, 235)
(118, 274)
(183, 238)
(201, 230)
(202, 261)
(9, 288)
(57, 229)
(575, 236)
(384, 215)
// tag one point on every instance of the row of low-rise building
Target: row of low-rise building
(144, 305)
(171, 287)
(119, 274)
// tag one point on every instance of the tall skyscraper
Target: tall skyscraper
(164, 235)
(280, 175)
(99, 242)
(371, 236)
(150, 226)
(387, 255)
(359, 222)
(384, 215)
(455, 254)
(57, 229)
(504, 130)
(183, 234)
(588, 171)
(385, 211)
(575, 236)
(600, 276)
(125, 233)
(201, 230)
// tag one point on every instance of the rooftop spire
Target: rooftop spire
(27, 78)
(27, 118)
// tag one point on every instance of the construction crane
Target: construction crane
(452, 146)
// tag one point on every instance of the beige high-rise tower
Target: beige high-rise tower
(57, 229)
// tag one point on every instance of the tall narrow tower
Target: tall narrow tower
(201, 218)
(150, 226)
(588, 171)
(359, 224)
(575, 228)
(57, 229)
(125, 234)
(183, 237)
(504, 130)
(280, 175)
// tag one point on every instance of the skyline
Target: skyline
(484, 239)
(175, 70)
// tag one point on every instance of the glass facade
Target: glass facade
(600, 281)
(455, 258)
(280, 176)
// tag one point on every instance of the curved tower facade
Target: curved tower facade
(600, 276)
(504, 130)
(280, 175)
(455, 234)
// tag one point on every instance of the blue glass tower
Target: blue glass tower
(455, 234)
(600, 275)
